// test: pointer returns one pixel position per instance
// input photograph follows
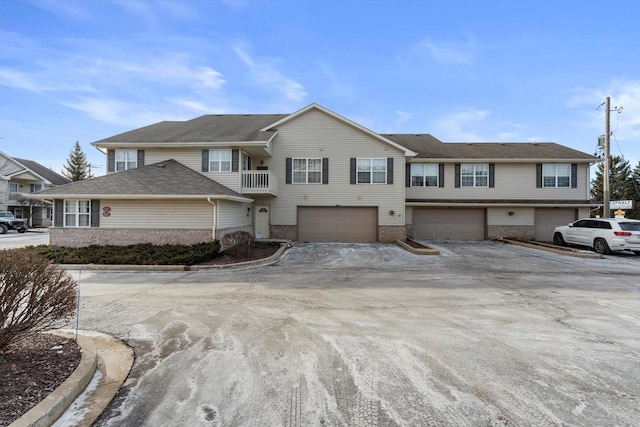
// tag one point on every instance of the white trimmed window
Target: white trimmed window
(77, 213)
(13, 187)
(219, 160)
(372, 170)
(474, 175)
(126, 159)
(556, 175)
(424, 175)
(307, 170)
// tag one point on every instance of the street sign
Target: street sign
(621, 204)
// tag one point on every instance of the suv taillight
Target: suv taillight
(622, 233)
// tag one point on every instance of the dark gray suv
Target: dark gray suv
(9, 222)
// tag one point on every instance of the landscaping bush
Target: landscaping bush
(140, 254)
(237, 243)
(34, 294)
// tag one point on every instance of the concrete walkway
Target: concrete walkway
(105, 364)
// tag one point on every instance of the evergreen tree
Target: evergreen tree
(77, 167)
(620, 185)
(635, 193)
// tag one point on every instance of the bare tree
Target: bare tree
(34, 295)
(29, 206)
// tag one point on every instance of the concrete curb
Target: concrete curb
(110, 355)
(556, 250)
(418, 251)
(130, 267)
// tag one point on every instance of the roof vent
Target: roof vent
(161, 165)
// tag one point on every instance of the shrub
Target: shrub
(237, 243)
(141, 254)
(34, 294)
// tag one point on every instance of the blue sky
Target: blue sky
(460, 70)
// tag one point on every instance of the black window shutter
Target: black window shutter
(140, 158)
(492, 175)
(95, 213)
(441, 175)
(389, 170)
(325, 170)
(288, 171)
(235, 160)
(407, 175)
(111, 161)
(352, 173)
(457, 167)
(574, 175)
(58, 213)
(205, 160)
(539, 175)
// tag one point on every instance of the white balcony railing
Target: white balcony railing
(259, 182)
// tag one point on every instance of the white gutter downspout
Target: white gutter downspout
(215, 217)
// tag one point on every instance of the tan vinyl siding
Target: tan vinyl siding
(233, 215)
(512, 181)
(520, 216)
(315, 134)
(153, 214)
(192, 158)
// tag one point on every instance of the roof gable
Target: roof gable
(47, 174)
(290, 117)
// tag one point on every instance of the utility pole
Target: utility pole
(606, 192)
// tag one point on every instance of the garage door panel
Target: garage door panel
(449, 224)
(549, 218)
(337, 224)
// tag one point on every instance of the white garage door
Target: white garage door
(549, 218)
(337, 224)
(449, 224)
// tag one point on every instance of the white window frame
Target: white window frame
(306, 170)
(375, 167)
(77, 213)
(425, 173)
(14, 187)
(476, 174)
(220, 160)
(126, 159)
(551, 177)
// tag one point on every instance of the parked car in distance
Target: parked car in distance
(604, 235)
(9, 222)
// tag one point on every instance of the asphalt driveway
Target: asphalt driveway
(485, 334)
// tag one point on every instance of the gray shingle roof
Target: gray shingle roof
(51, 176)
(166, 178)
(429, 147)
(207, 128)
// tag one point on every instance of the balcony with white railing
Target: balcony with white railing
(259, 182)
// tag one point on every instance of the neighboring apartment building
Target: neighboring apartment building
(19, 179)
(316, 176)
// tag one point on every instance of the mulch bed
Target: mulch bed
(31, 369)
(34, 367)
(258, 250)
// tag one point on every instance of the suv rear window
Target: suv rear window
(629, 226)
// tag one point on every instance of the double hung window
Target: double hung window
(77, 213)
(219, 160)
(372, 170)
(307, 170)
(556, 175)
(424, 175)
(474, 175)
(126, 159)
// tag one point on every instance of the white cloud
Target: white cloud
(265, 73)
(69, 8)
(468, 124)
(449, 52)
(624, 93)
(402, 117)
(39, 83)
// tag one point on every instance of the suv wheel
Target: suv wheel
(22, 230)
(3, 229)
(558, 240)
(600, 246)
